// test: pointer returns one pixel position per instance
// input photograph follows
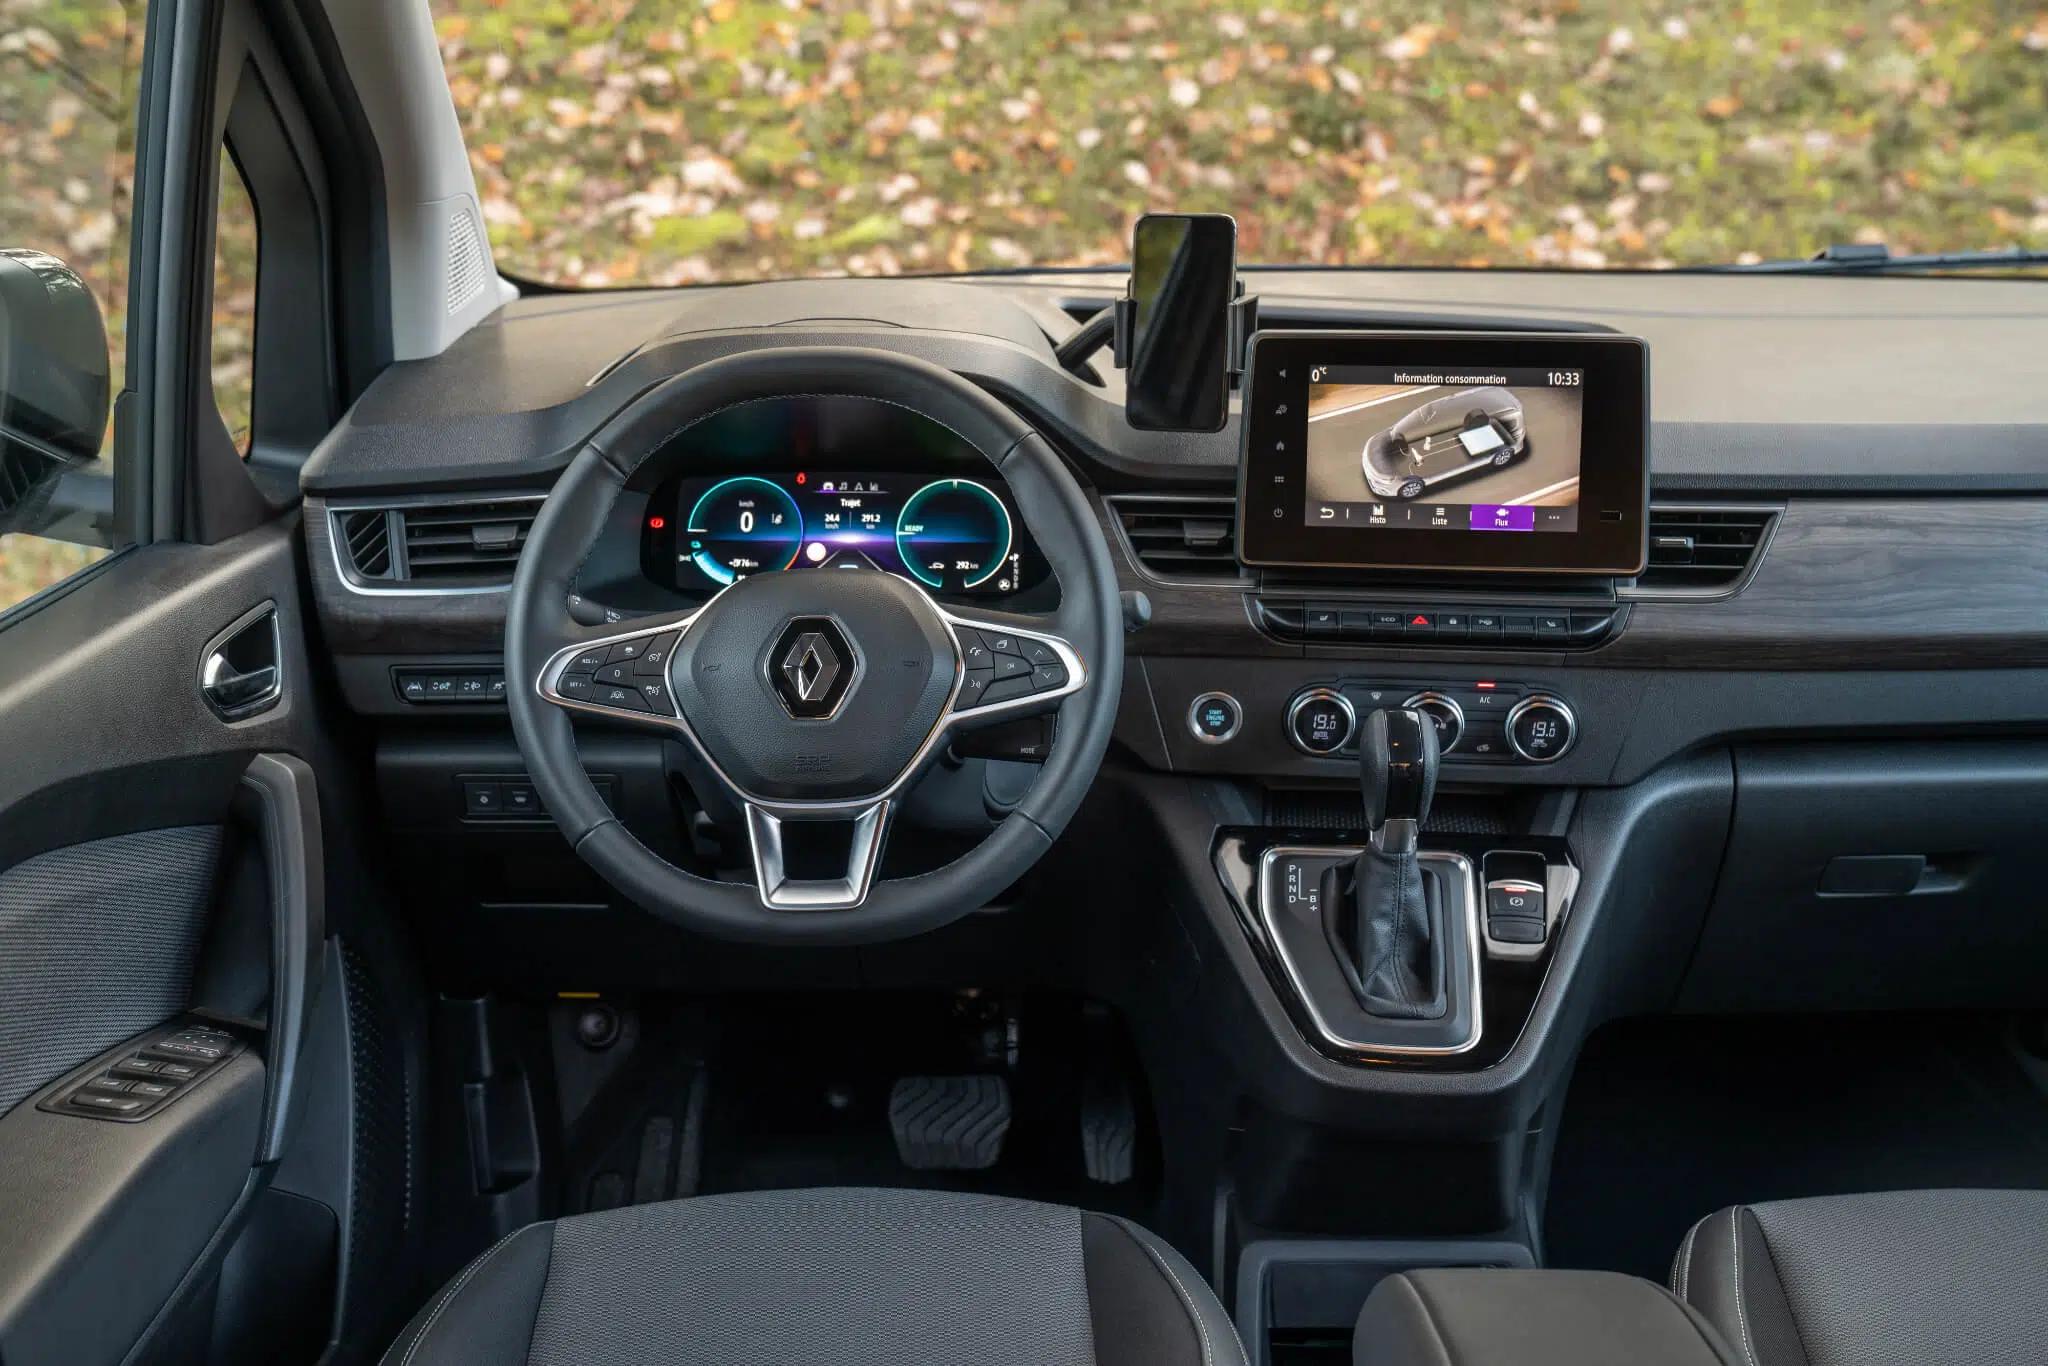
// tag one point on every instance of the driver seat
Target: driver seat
(837, 1277)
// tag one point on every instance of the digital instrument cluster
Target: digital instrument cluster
(954, 535)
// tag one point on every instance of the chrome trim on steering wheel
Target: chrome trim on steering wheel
(869, 813)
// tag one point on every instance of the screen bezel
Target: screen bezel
(1614, 475)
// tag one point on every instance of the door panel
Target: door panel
(155, 858)
(98, 942)
(104, 1220)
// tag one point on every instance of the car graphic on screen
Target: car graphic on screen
(1444, 440)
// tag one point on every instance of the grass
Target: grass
(735, 139)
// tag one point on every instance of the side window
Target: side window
(68, 87)
(234, 303)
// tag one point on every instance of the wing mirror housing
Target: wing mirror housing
(55, 381)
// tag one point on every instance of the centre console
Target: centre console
(1405, 947)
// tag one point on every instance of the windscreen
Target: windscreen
(680, 141)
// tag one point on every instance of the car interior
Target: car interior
(1027, 816)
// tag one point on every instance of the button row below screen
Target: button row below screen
(1563, 628)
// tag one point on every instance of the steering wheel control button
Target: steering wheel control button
(974, 688)
(1541, 728)
(654, 659)
(1446, 713)
(1009, 666)
(1008, 689)
(589, 661)
(1320, 722)
(622, 697)
(577, 687)
(1037, 652)
(973, 649)
(1214, 718)
(616, 673)
(1047, 677)
(654, 693)
(626, 651)
(1003, 644)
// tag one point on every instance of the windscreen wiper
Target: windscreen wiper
(1874, 258)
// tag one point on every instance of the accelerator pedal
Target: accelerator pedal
(949, 1123)
(1109, 1129)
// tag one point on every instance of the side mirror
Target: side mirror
(54, 381)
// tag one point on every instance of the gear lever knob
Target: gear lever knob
(1397, 763)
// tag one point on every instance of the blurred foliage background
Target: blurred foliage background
(685, 141)
(675, 141)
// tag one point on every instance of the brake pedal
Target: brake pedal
(949, 1123)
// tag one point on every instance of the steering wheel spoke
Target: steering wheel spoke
(768, 834)
(622, 676)
(1008, 670)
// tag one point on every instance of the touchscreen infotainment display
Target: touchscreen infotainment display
(1481, 451)
(1415, 449)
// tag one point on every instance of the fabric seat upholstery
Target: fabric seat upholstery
(827, 1278)
(1905, 1278)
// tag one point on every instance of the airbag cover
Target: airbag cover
(730, 680)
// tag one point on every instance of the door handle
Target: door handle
(241, 672)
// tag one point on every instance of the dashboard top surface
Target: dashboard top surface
(1759, 384)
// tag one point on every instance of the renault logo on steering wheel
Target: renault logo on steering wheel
(812, 666)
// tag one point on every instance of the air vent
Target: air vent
(434, 547)
(471, 543)
(1703, 550)
(1181, 536)
(366, 541)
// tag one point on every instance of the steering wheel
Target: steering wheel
(814, 695)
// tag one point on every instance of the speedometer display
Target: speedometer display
(953, 534)
(741, 527)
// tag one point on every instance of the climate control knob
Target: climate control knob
(1541, 728)
(1448, 715)
(1320, 721)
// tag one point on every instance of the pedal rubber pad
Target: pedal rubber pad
(1109, 1130)
(949, 1123)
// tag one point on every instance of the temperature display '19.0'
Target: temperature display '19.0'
(953, 534)
(743, 526)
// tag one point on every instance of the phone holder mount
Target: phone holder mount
(1241, 320)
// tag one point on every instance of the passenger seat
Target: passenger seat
(1904, 1278)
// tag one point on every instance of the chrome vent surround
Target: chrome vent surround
(1703, 550)
(1180, 537)
(433, 546)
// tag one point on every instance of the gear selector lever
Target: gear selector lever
(1384, 911)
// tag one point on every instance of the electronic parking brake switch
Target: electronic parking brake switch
(1514, 911)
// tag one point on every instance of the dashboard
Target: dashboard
(1796, 528)
(1837, 653)
(826, 483)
